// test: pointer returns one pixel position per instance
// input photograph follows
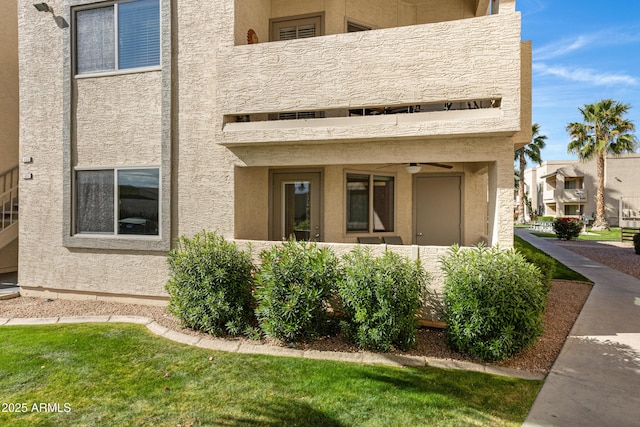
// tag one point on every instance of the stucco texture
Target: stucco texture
(218, 174)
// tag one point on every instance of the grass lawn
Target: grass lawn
(122, 375)
(560, 272)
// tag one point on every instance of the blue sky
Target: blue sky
(583, 51)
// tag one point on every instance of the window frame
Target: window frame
(570, 206)
(116, 70)
(116, 202)
(577, 183)
(297, 20)
(370, 209)
(359, 26)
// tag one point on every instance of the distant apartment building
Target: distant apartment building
(261, 119)
(568, 188)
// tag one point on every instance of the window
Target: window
(571, 210)
(370, 203)
(353, 27)
(296, 27)
(117, 201)
(573, 183)
(121, 35)
(299, 115)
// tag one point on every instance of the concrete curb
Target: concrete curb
(216, 344)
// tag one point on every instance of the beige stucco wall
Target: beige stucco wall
(255, 14)
(251, 14)
(478, 153)
(362, 69)
(8, 87)
(9, 117)
(117, 120)
(252, 200)
(108, 114)
(208, 179)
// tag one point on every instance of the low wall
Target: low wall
(429, 257)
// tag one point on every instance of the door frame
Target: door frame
(273, 175)
(414, 208)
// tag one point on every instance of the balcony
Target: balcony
(466, 77)
(565, 196)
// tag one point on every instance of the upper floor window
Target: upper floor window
(354, 27)
(118, 36)
(573, 183)
(298, 27)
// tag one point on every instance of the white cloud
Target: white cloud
(585, 75)
(560, 48)
(603, 38)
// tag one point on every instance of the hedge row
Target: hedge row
(213, 287)
(493, 299)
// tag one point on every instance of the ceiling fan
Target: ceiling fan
(415, 167)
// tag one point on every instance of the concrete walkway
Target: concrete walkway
(595, 380)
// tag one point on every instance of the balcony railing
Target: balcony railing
(566, 196)
(630, 208)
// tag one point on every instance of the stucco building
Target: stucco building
(568, 188)
(261, 119)
(9, 119)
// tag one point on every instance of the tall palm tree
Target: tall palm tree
(530, 151)
(604, 131)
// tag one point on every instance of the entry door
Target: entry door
(438, 202)
(296, 206)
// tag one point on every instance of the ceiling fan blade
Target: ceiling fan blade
(438, 165)
(388, 165)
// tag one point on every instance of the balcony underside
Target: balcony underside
(476, 122)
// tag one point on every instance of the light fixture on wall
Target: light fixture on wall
(42, 7)
(413, 168)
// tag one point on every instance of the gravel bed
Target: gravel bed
(620, 256)
(565, 301)
(563, 306)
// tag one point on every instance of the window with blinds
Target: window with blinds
(353, 27)
(296, 27)
(122, 35)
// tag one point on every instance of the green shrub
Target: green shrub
(381, 298)
(494, 302)
(545, 218)
(294, 285)
(567, 228)
(545, 265)
(636, 242)
(210, 284)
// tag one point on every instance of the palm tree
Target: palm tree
(604, 131)
(530, 151)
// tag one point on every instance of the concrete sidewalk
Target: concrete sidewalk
(596, 378)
